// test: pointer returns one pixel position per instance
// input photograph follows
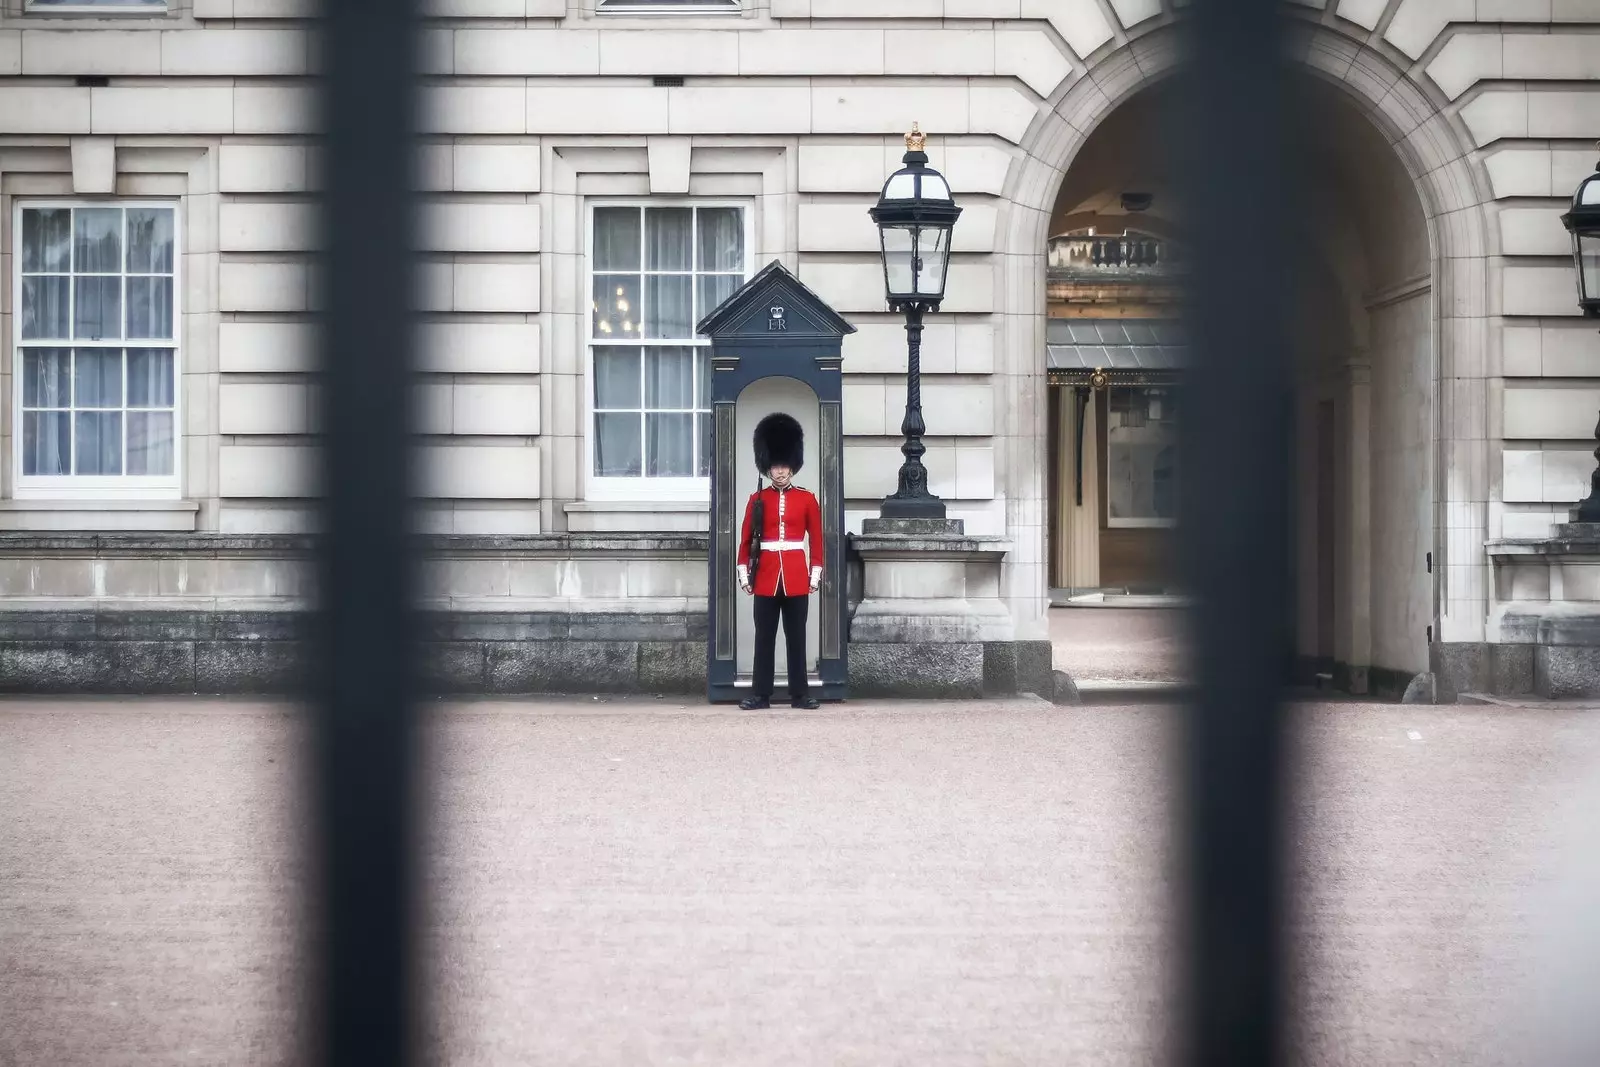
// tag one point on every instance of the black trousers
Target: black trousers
(792, 609)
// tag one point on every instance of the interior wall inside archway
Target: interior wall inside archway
(1362, 336)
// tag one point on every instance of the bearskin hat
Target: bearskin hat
(779, 439)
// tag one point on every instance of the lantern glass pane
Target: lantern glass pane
(934, 187)
(935, 252)
(902, 186)
(899, 258)
(1589, 193)
(1588, 250)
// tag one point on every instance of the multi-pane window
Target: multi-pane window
(1141, 457)
(657, 270)
(662, 6)
(97, 5)
(96, 328)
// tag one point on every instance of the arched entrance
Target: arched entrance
(1396, 231)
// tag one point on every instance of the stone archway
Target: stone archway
(1432, 152)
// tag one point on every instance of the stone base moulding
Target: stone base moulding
(1544, 619)
(117, 613)
(930, 621)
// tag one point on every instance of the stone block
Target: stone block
(931, 671)
(516, 52)
(627, 626)
(265, 227)
(677, 667)
(1416, 23)
(497, 168)
(479, 472)
(1563, 114)
(196, 109)
(265, 347)
(479, 347)
(1496, 114)
(509, 408)
(1083, 26)
(220, 53)
(454, 667)
(263, 408)
(473, 227)
(999, 668)
(1035, 667)
(266, 626)
(1032, 56)
(1460, 667)
(246, 286)
(39, 109)
(266, 471)
(253, 168)
(868, 108)
(918, 579)
(1533, 232)
(593, 110)
(263, 109)
(741, 108)
(562, 667)
(273, 667)
(811, 52)
(77, 51)
(44, 626)
(498, 287)
(129, 667)
(1512, 669)
(842, 168)
(630, 53)
(1567, 672)
(94, 165)
(475, 109)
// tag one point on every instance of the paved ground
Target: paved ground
(882, 884)
(1120, 644)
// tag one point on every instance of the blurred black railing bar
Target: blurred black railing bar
(363, 643)
(1232, 136)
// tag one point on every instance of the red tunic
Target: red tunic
(790, 516)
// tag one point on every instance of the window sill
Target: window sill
(138, 516)
(651, 516)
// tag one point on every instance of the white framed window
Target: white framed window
(95, 331)
(655, 269)
(97, 7)
(1141, 456)
(665, 7)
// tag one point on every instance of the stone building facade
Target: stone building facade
(597, 172)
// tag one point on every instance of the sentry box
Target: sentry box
(775, 346)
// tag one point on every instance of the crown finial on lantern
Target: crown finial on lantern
(916, 140)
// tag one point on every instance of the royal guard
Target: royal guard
(773, 564)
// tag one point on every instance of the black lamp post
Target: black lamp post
(914, 215)
(1583, 222)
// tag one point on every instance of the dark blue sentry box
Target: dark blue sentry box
(775, 346)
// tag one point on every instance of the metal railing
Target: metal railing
(1131, 253)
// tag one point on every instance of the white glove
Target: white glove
(744, 578)
(816, 578)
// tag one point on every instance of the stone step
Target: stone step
(1121, 691)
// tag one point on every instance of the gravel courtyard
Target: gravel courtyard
(877, 884)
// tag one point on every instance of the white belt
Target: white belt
(782, 546)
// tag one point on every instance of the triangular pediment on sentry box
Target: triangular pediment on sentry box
(772, 306)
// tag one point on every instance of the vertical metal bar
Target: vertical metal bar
(1235, 540)
(364, 633)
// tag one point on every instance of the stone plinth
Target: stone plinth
(1545, 615)
(931, 621)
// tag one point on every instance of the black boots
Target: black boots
(758, 704)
